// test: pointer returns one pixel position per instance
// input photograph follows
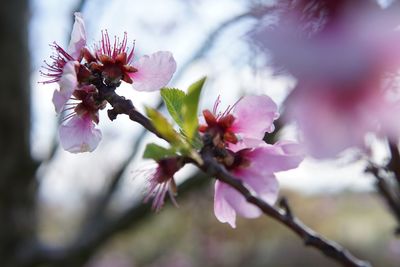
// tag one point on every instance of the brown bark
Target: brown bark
(17, 182)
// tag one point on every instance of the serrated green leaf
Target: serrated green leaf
(156, 152)
(163, 126)
(173, 99)
(189, 108)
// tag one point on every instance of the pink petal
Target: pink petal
(282, 156)
(239, 203)
(78, 36)
(264, 186)
(154, 71)
(245, 143)
(228, 202)
(59, 100)
(68, 82)
(222, 210)
(254, 116)
(79, 135)
(258, 178)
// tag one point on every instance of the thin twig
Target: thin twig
(121, 105)
(81, 249)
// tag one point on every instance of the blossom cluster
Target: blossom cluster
(80, 73)
(234, 137)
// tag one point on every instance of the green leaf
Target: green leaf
(156, 152)
(163, 126)
(173, 99)
(189, 108)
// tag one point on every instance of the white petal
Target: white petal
(59, 100)
(78, 36)
(79, 135)
(69, 80)
(222, 209)
(68, 83)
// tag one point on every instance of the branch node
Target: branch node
(283, 203)
(112, 114)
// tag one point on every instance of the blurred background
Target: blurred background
(86, 209)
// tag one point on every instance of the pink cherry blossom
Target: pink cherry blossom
(242, 125)
(161, 181)
(77, 132)
(148, 73)
(113, 59)
(79, 72)
(256, 170)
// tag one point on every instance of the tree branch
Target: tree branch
(82, 248)
(310, 237)
(214, 169)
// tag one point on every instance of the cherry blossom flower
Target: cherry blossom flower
(242, 125)
(341, 54)
(77, 131)
(115, 62)
(78, 72)
(237, 134)
(161, 181)
(255, 167)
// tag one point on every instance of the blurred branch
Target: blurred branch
(388, 189)
(104, 199)
(394, 163)
(213, 36)
(79, 7)
(87, 242)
